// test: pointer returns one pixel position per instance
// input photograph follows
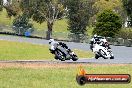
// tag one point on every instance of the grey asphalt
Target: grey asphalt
(123, 55)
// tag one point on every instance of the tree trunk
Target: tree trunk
(49, 31)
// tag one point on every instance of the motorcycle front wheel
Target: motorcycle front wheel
(59, 55)
(102, 54)
(74, 58)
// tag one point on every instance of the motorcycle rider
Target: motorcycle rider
(99, 40)
(95, 39)
(54, 44)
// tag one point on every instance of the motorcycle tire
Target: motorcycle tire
(62, 59)
(97, 56)
(112, 57)
(74, 58)
(56, 57)
(59, 56)
(101, 55)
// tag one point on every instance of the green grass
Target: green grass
(58, 77)
(59, 26)
(26, 51)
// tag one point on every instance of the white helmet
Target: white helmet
(95, 35)
(51, 40)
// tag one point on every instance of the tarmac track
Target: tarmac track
(123, 55)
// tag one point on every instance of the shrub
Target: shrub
(21, 25)
(125, 33)
(108, 24)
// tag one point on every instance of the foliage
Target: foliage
(13, 9)
(102, 5)
(47, 10)
(21, 24)
(59, 26)
(125, 33)
(114, 5)
(128, 7)
(108, 24)
(1, 5)
(27, 7)
(38, 10)
(44, 10)
(79, 13)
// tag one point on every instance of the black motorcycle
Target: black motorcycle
(63, 54)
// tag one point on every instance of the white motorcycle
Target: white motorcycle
(103, 52)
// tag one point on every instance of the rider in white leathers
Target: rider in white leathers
(94, 40)
(100, 41)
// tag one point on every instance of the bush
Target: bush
(21, 25)
(78, 18)
(108, 24)
(125, 33)
(1, 5)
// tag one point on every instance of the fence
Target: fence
(69, 36)
(120, 41)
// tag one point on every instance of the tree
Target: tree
(13, 8)
(1, 5)
(114, 5)
(79, 13)
(38, 10)
(43, 10)
(102, 5)
(21, 24)
(128, 7)
(108, 24)
(21, 16)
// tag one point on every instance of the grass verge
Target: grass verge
(58, 77)
(26, 51)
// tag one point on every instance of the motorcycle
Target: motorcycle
(63, 54)
(101, 51)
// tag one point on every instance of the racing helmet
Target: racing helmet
(51, 40)
(95, 35)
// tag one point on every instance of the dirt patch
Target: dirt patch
(52, 65)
